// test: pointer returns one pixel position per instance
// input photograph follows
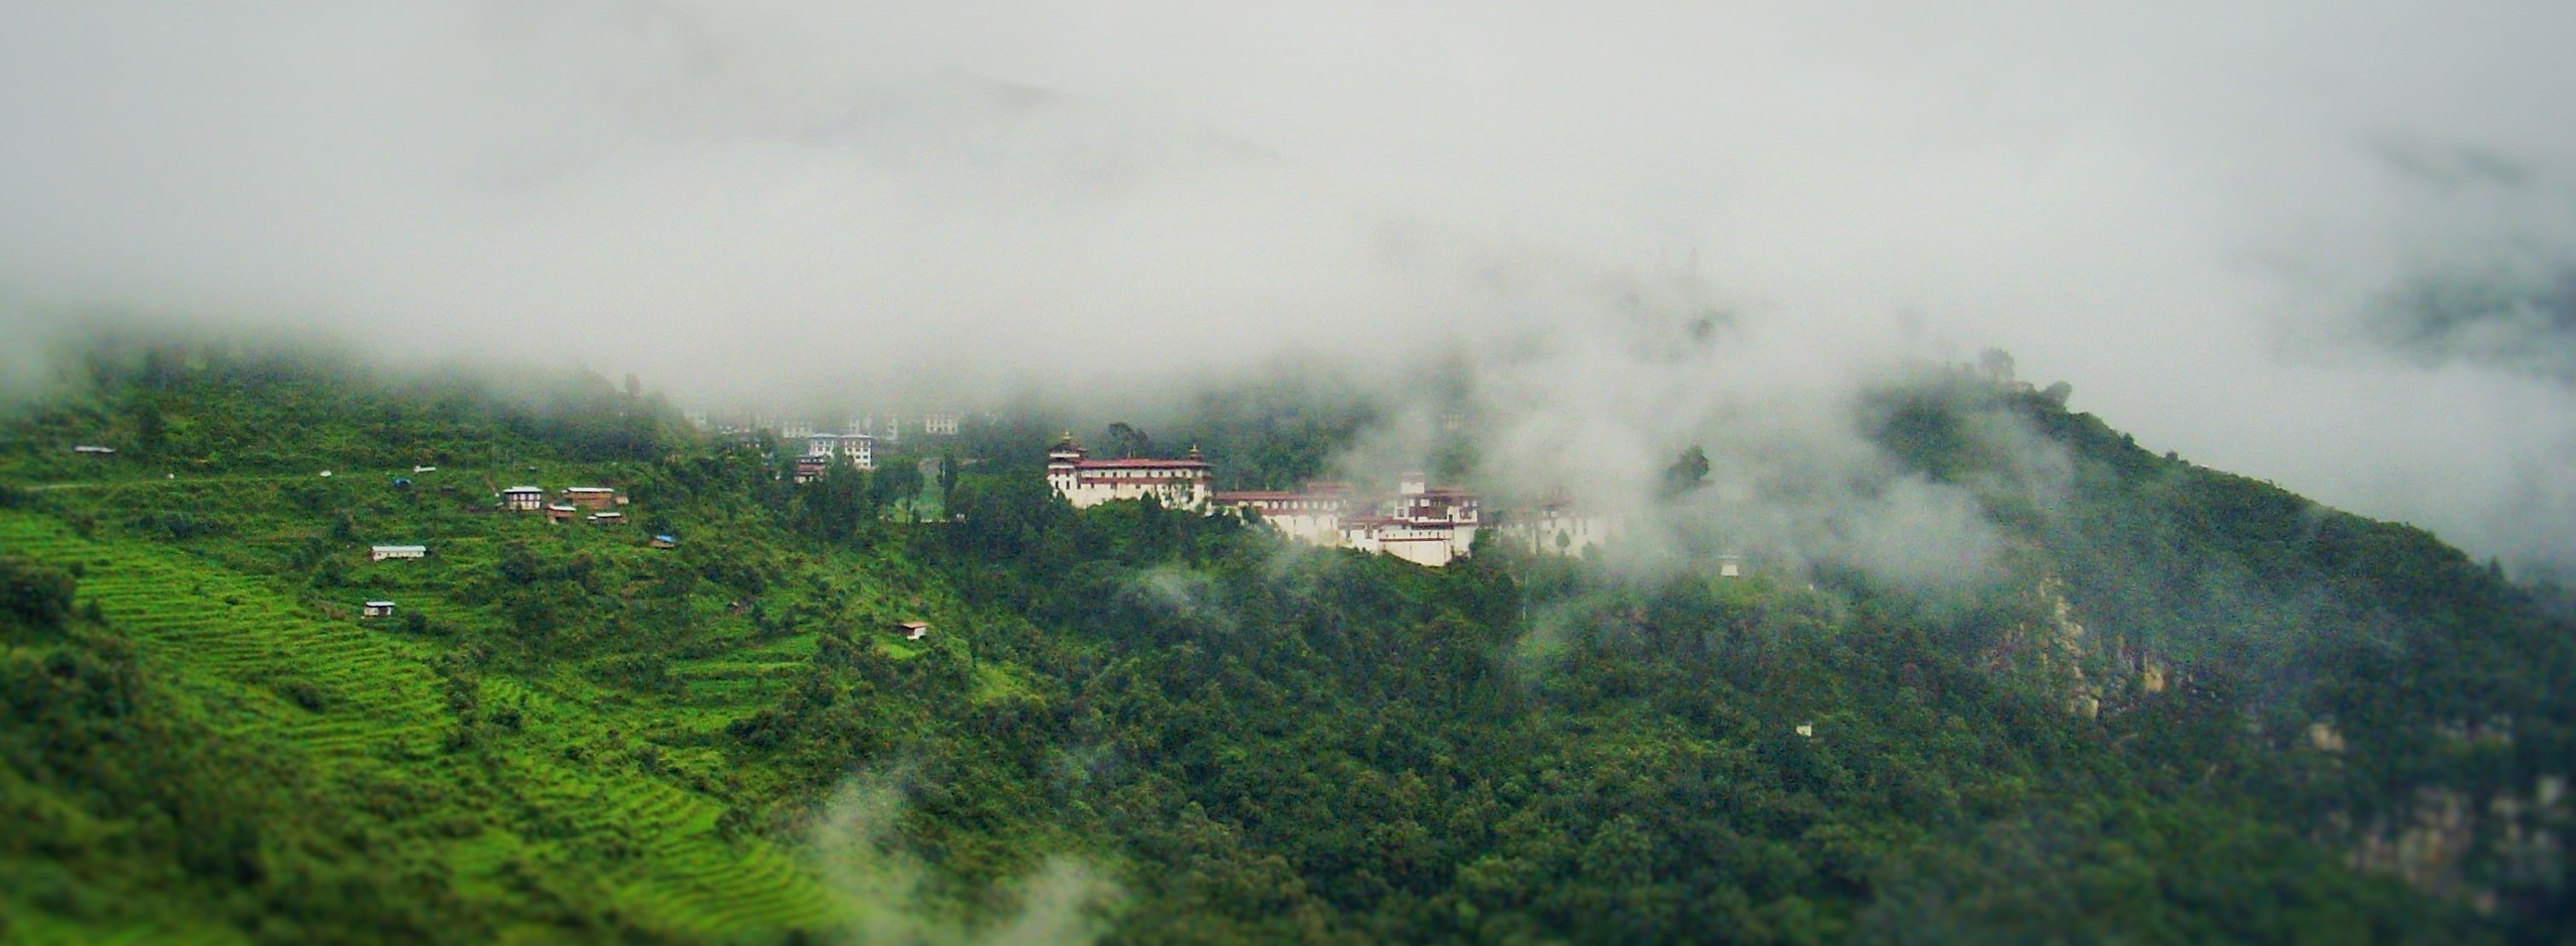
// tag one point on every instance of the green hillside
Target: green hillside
(2188, 707)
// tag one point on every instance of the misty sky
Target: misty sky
(2327, 244)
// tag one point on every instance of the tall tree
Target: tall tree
(1129, 442)
(1688, 472)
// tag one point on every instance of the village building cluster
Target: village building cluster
(604, 505)
(601, 500)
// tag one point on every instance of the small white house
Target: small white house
(912, 630)
(91, 449)
(607, 518)
(523, 498)
(1730, 566)
(383, 552)
(377, 609)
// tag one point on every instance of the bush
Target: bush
(34, 597)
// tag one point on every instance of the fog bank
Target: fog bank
(2317, 244)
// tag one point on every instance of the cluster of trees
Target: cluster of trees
(1280, 743)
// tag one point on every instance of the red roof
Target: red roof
(1372, 522)
(1142, 463)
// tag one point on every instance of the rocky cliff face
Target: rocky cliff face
(2096, 672)
(2508, 851)
(2490, 850)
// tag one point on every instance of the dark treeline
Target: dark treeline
(226, 407)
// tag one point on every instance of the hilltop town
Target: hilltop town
(1410, 518)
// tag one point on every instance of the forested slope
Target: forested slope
(2187, 708)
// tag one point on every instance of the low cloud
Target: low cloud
(853, 841)
(2317, 243)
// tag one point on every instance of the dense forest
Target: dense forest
(2187, 706)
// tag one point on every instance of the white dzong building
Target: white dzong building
(1185, 483)
(1422, 524)
(1312, 515)
(1555, 527)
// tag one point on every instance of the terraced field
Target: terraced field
(679, 869)
(362, 705)
(368, 694)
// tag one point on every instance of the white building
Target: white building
(1432, 544)
(887, 427)
(939, 424)
(1420, 524)
(376, 609)
(523, 498)
(1423, 524)
(1555, 527)
(1181, 484)
(858, 450)
(1313, 515)
(383, 552)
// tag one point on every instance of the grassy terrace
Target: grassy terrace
(276, 665)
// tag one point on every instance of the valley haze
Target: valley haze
(2320, 244)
